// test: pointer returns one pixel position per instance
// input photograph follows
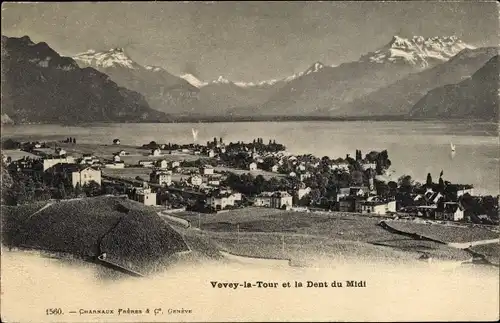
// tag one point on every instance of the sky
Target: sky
(245, 41)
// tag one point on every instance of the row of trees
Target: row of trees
(26, 190)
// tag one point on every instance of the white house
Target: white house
(274, 168)
(61, 152)
(207, 170)
(174, 164)
(156, 152)
(160, 177)
(278, 200)
(145, 195)
(211, 153)
(116, 141)
(378, 207)
(116, 158)
(252, 166)
(195, 180)
(163, 164)
(219, 200)
(301, 192)
(122, 153)
(146, 163)
(366, 166)
(340, 166)
(304, 176)
(85, 175)
(451, 211)
(50, 162)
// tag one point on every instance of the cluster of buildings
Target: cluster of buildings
(277, 200)
(363, 199)
(446, 206)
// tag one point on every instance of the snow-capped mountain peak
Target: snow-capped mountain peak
(221, 80)
(153, 68)
(113, 58)
(418, 50)
(193, 80)
(314, 68)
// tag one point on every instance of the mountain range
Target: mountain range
(39, 85)
(162, 90)
(389, 81)
(399, 97)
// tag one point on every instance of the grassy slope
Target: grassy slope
(446, 233)
(490, 251)
(12, 219)
(312, 235)
(130, 234)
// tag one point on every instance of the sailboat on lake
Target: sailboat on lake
(452, 147)
(195, 134)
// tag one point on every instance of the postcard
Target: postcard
(249, 161)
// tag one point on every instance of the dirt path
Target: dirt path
(465, 245)
(40, 210)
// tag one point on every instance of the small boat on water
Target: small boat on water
(195, 134)
(452, 147)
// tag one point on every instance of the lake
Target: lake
(415, 148)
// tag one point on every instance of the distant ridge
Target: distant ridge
(39, 85)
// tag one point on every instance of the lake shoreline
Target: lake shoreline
(238, 119)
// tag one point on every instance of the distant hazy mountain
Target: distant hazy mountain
(225, 97)
(222, 96)
(163, 91)
(39, 85)
(398, 98)
(5, 119)
(476, 97)
(324, 89)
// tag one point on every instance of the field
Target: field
(267, 175)
(134, 154)
(131, 173)
(312, 235)
(446, 233)
(131, 234)
(17, 154)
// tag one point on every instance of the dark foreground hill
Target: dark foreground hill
(131, 235)
(39, 85)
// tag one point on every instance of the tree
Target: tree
(61, 191)
(357, 177)
(78, 190)
(440, 188)
(315, 196)
(30, 190)
(92, 188)
(428, 182)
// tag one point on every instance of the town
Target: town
(219, 176)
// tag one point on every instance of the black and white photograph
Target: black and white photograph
(250, 161)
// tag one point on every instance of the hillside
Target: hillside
(131, 234)
(163, 91)
(39, 85)
(476, 97)
(399, 97)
